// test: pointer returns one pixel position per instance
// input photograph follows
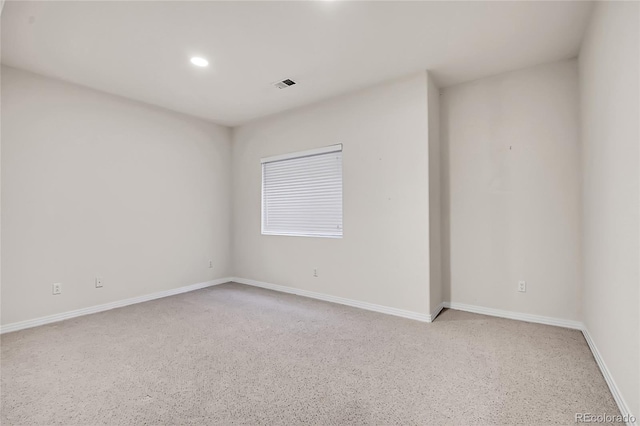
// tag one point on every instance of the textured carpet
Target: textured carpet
(234, 354)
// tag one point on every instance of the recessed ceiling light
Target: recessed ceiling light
(199, 62)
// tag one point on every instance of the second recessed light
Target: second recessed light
(199, 62)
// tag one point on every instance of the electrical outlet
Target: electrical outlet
(211, 264)
(99, 282)
(522, 286)
(57, 288)
(315, 272)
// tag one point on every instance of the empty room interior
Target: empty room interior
(320, 212)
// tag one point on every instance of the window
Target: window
(302, 193)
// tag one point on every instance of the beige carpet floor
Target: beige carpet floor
(234, 354)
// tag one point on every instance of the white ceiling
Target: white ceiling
(141, 50)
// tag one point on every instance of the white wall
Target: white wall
(94, 184)
(511, 191)
(383, 257)
(609, 74)
(435, 196)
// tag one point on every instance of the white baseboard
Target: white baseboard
(436, 312)
(617, 396)
(558, 322)
(577, 325)
(7, 328)
(622, 405)
(335, 299)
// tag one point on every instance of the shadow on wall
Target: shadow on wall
(445, 214)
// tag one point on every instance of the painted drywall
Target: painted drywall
(609, 74)
(96, 185)
(511, 191)
(435, 197)
(383, 257)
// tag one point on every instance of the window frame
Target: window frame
(295, 155)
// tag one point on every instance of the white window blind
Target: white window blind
(302, 193)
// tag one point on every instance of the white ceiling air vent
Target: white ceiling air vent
(284, 83)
